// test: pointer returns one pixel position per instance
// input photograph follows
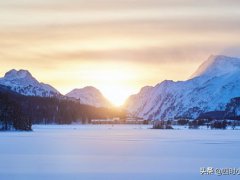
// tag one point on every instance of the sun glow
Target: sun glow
(116, 81)
(116, 95)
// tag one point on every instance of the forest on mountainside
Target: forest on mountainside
(19, 112)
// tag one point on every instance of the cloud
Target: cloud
(70, 5)
(16, 13)
(166, 36)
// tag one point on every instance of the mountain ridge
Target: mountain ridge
(24, 83)
(89, 95)
(210, 89)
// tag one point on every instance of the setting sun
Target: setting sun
(118, 46)
(116, 95)
(116, 82)
(119, 89)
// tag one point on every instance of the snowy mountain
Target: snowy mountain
(210, 88)
(90, 96)
(24, 83)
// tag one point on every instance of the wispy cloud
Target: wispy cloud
(166, 36)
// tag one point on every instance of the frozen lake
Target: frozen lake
(119, 152)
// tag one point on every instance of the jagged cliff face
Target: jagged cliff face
(210, 88)
(24, 83)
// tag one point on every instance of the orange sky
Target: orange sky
(117, 46)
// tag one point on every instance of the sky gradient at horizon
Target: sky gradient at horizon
(115, 45)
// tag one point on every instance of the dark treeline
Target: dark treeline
(11, 115)
(233, 109)
(53, 110)
(20, 112)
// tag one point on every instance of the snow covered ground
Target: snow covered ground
(119, 152)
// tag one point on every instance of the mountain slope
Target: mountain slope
(217, 66)
(212, 86)
(90, 96)
(19, 112)
(24, 83)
